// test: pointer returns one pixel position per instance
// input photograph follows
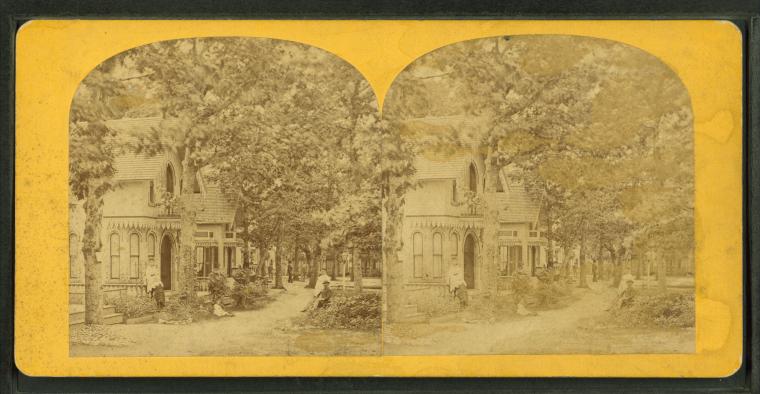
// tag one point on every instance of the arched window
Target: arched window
(417, 253)
(473, 178)
(169, 179)
(134, 255)
(114, 264)
(437, 255)
(151, 248)
(73, 252)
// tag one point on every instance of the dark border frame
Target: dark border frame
(744, 13)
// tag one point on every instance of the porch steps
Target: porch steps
(76, 315)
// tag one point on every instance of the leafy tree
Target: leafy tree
(92, 148)
(581, 122)
(299, 154)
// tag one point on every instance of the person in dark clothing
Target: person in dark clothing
(290, 273)
(158, 295)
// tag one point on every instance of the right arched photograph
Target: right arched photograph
(539, 200)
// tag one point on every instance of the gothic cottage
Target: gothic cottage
(443, 225)
(140, 228)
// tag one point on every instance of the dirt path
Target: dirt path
(550, 332)
(267, 331)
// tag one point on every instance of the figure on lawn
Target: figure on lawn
(322, 293)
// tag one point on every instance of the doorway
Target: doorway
(469, 261)
(166, 262)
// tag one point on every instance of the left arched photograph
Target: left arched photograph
(224, 200)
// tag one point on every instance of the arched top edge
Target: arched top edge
(305, 44)
(632, 47)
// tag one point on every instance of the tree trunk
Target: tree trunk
(278, 263)
(357, 269)
(335, 264)
(393, 272)
(314, 265)
(186, 277)
(617, 271)
(93, 291)
(599, 269)
(311, 264)
(618, 260)
(661, 276)
(550, 260)
(247, 259)
(638, 268)
(294, 268)
(263, 254)
(582, 263)
(490, 229)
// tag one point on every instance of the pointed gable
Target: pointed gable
(133, 166)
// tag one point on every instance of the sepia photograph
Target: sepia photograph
(540, 201)
(224, 200)
(517, 195)
(380, 198)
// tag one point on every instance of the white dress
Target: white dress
(455, 279)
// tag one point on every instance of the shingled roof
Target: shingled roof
(132, 166)
(440, 167)
(517, 206)
(215, 207)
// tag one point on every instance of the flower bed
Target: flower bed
(656, 309)
(133, 306)
(348, 310)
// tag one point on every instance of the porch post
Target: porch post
(220, 251)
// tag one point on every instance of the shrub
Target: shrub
(350, 311)
(242, 276)
(178, 311)
(521, 287)
(667, 310)
(134, 306)
(545, 293)
(246, 295)
(217, 286)
(549, 294)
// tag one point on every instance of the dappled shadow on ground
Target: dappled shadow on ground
(271, 330)
(574, 329)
